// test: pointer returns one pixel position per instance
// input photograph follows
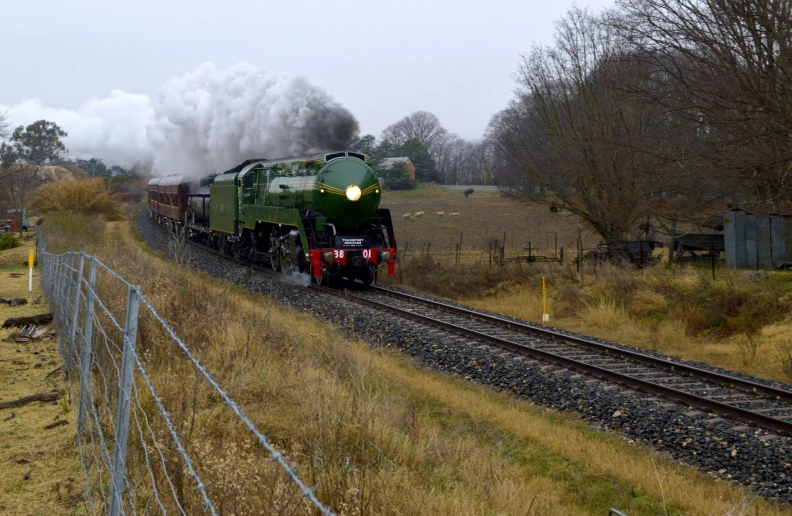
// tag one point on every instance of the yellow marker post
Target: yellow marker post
(30, 264)
(545, 315)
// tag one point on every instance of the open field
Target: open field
(41, 473)
(377, 434)
(483, 217)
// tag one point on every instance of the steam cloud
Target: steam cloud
(206, 121)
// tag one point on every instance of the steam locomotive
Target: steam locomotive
(314, 214)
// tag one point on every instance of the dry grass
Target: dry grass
(378, 435)
(54, 485)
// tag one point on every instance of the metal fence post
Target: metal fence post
(75, 313)
(85, 366)
(63, 296)
(124, 401)
(55, 280)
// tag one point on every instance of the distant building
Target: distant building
(8, 221)
(389, 162)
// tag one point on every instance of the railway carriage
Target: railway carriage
(317, 214)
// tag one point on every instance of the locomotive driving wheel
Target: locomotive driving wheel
(278, 256)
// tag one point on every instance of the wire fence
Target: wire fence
(136, 454)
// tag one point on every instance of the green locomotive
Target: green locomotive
(317, 214)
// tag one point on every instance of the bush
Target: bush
(8, 241)
(468, 192)
(83, 196)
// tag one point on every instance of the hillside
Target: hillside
(57, 173)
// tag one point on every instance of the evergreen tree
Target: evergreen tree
(425, 169)
(397, 178)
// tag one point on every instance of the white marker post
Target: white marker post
(30, 262)
(545, 315)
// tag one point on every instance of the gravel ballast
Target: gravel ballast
(728, 449)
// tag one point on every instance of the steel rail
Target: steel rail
(600, 347)
(746, 416)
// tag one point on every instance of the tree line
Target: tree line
(669, 109)
(661, 110)
(437, 154)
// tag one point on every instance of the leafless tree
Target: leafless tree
(19, 184)
(5, 126)
(461, 161)
(576, 139)
(728, 66)
(421, 125)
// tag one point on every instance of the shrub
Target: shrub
(397, 178)
(83, 196)
(8, 241)
(468, 192)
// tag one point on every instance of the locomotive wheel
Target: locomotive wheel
(275, 254)
(278, 256)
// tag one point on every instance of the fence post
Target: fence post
(58, 307)
(63, 304)
(124, 401)
(85, 366)
(75, 313)
(56, 279)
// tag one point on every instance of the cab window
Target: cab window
(249, 180)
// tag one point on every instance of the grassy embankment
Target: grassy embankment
(732, 321)
(41, 472)
(377, 434)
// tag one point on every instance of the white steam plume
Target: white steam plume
(206, 121)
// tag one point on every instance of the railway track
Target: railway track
(746, 401)
(749, 402)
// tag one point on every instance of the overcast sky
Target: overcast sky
(382, 60)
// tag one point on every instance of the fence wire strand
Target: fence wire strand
(73, 297)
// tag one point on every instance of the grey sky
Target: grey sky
(382, 60)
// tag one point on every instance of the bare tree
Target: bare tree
(461, 161)
(19, 186)
(5, 126)
(728, 66)
(575, 139)
(421, 125)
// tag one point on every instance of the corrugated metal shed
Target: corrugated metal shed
(757, 240)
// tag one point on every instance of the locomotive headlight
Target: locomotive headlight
(353, 192)
(385, 256)
(329, 258)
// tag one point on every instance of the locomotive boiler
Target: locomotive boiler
(317, 214)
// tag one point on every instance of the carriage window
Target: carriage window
(249, 179)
